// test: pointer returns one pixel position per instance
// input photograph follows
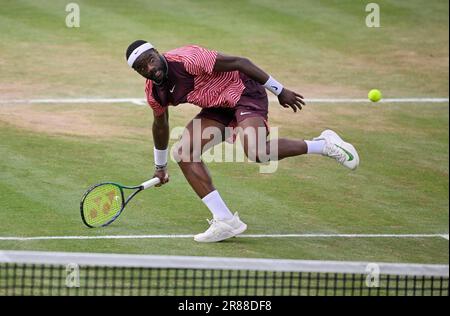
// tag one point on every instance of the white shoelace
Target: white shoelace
(336, 153)
(211, 221)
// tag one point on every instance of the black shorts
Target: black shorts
(253, 102)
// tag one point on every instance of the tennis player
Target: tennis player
(231, 92)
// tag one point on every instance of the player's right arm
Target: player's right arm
(286, 98)
(161, 134)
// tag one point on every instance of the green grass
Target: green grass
(51, 153)
(43, 178)
(320, 47)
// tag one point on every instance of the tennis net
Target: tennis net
(56, 273)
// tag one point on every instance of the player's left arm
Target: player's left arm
(161, 132)
(286, 97)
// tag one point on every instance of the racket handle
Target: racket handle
(150, 183)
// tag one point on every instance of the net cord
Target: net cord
(218, 263)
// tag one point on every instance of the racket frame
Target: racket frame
(138, 188)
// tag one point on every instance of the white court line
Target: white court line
(141, 101)
(387, 100)
(137, 101)
(445, 236)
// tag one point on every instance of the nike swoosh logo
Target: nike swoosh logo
(350, 156)
(171, 90)
(276, 88)
(243, 113)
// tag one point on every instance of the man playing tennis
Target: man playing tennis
(231, 92)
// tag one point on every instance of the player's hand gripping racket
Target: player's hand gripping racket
(104, 202)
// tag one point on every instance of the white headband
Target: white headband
(137, 52)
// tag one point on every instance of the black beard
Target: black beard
(164, 70)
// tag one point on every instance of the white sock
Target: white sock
(315, 146)
(217, 206)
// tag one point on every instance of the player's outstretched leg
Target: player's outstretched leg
(328, 144)
(335, 147)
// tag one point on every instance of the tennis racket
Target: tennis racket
(104, 202)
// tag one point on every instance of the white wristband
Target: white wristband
(273, 86)
(160, 156)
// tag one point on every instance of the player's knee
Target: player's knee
(176, 153)
(186, 154)
(256, 155)
(182, 154)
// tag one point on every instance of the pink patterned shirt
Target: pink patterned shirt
(191, 79)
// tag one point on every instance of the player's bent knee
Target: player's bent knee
(258, 156)
(185, 154)
(176, 153)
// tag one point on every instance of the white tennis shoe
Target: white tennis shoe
(336, 148)
(222, 229)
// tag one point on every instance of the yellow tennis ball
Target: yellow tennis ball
(375, 95)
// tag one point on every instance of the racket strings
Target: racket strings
(101, 204)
